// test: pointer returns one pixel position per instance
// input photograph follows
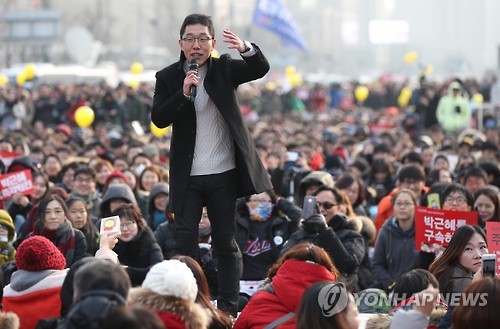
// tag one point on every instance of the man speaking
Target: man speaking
(213, 159)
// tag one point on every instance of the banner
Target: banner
(7, 157)
(274, 16)
(435, 227)
(493, 240)
(16, 182)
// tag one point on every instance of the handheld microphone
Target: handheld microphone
(193, 66)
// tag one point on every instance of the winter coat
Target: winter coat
(345, 246)
(175, 313)
(34, 295)
(7, 252)
(224, 75)
(142, 251)
(157, 189)
(386, 210)
(283, 296)
(395, 253)
(115, 191)
(261, 242)
(165, 236)
(453, 112)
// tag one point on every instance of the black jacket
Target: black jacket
(142, 251)
(345, 246)
(170, 106)
(274, 232)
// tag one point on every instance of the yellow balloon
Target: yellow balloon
(429, 69)
(403, 101)
(290, 70)
(270, 85)
(477, 98)
(4, 80)
(29, 71)
(410, 57)
(134, 84)
(84, 116)
(361, 93)
(157, 132)
(295, 80)
(405, 93)
(215, 53)
(136, 68)
(21, 79)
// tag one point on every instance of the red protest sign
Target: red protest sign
(7, 157)
(16, 182)
(493, 239)
(435, 227)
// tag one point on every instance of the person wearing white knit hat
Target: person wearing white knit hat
(170, 290)
(172, 278)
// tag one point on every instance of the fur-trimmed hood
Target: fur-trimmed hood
(193, 315)
(9, 320)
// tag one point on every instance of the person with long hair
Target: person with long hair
(288, 278)
(461, 260)
(355, 190)
(53, 223)
(486, 203)
(220, 320)
(80, 219)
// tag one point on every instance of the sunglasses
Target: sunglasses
(326, 205)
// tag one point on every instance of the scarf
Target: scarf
(62, 237)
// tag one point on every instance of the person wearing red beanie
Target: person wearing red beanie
(34, 290)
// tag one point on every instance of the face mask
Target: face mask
(261, 212)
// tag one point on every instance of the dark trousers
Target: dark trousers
(218, 193)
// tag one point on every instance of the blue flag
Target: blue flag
(274, 16)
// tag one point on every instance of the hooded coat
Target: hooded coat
(175, 313)
(116, 191)
(170, 107)
(395, 253)
(157, 189)
(7, 252)
(288, 286)
(453, 112)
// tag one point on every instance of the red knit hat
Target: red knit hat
(116, 174)
(37, 253)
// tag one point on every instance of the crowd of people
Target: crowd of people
(368, 163)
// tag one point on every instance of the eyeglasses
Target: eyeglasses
(326, 205)
(84, 180)
(201, 40)
(458, 200)
(127, 225)
(3, 227)
(403, 204)
(260, 200)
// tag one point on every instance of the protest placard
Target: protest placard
(16, 182)
(493, 240)
(435, 227)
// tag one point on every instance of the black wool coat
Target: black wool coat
(170, 107)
